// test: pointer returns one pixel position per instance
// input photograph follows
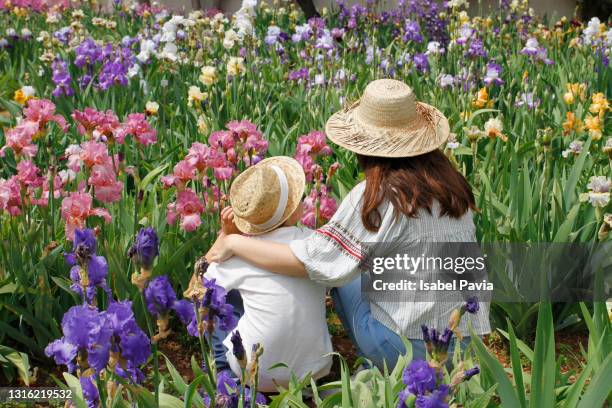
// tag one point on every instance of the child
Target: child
(286, 315)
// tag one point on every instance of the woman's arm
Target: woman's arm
(271, 256)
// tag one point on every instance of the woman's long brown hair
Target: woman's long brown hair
(413, 183)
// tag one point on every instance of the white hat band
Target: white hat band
(282, 201)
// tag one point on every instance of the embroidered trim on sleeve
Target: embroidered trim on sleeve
(334, 234)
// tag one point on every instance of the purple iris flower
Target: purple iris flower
(437, 399)
(229, 392)
(439, 341)
(337, 33)
(85, 330)
(421, 62)
(419, 377)
(63, 35)
(83, 257)
(317, 23)
(237, 346)
(301, 74)
(90, 391)
(145, 247)
(402, 397)
(476, 49)
(159, 296)
(492, 77)
(84, 80)
(116, 65)
(185, 311)
(218, 312)
(128, 339)
(412, 32)
(83, 247)
(87, 53)
(61, 78)
(469, 373)
(471, 305)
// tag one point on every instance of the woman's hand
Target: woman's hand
(221, 250)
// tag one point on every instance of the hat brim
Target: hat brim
(296, 180)
(428, 131)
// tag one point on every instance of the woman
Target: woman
(411, 194)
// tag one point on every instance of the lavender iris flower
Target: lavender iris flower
(465, 33)
(528, 99)
(533, 49)
(337, 33)
(493, 74)
(325, 40)
(145, 247)
(272, 35)
(302, 33)
(446, 80)
(63, 35)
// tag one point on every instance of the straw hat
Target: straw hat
(265, 195)
(388, 122)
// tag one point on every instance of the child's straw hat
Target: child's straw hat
(388, 122)
(265, 195)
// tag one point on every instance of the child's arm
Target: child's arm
(227, 228)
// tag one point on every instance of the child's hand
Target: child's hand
(227, 222)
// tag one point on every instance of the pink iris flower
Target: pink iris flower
(327, 207)
(136, 125)
(10, 196)
(42, 111)
(188, 208)
(76, 208)
(19, 139)
(104, 180)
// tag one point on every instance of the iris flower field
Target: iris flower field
(121, 129)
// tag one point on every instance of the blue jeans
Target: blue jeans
(373, 340)
(219, 349)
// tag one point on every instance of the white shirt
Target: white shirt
(333, 254)
(285, 314)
